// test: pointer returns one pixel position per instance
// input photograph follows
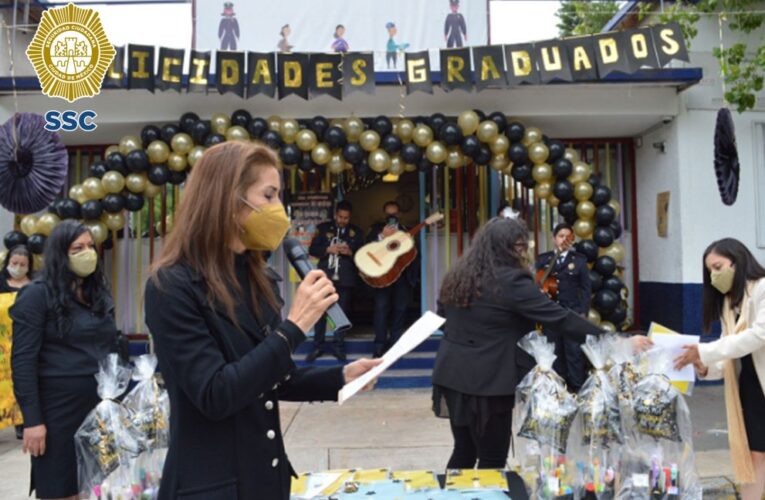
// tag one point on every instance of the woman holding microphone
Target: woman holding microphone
(213, 309)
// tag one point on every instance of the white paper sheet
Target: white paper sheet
(414, 336)
(674, 343)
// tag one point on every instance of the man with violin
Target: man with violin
(563, 274)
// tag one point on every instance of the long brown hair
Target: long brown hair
(205, 223)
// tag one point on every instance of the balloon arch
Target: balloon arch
(139, 167)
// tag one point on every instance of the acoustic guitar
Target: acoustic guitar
(547, 281)
(381, 263)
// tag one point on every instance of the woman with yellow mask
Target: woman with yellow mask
(63, 325)
(213, 310)
(734, 293)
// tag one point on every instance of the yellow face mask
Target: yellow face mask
(83, 263)
(265, 227)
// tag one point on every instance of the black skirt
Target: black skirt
(752, 404)
(65, 402)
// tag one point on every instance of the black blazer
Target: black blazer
(479, 353)
(353, 237)
(224, 386)
(574, 288)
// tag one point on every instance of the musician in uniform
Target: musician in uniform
(397, 296)
(574, 290)
(334, 244)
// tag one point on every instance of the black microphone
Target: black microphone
(298, 257)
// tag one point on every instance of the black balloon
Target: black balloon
(200, 131)
(149, 134)
(53, 207)
(290, 154)
(319, 125)
(108, 243)
(605, 215)
(451, 134)
(92, 209)
(605, 301)
(306, 163)
(435, 122)
(69, 209)
(603, 236)
(520, 172)
(613, 283)
(159, 174)
(562, 168)
(272, 139)
(588, 248)
(98, 169)
(411, 153)
(133, 202)
(362, 169)
(483, 157)
(546, 140)
(481, 114)
(368, 122)
(471, 146)
(618, 315)
(515, 132)
(168, 131)
(563, 190)
(14, 238)
(616, 228)
(529, 183)
(113, 203)
(567, 208)
(420, 120)
(594, 180)
(518, 153)
(335, 137)
(187, 122)
(382, 125)
(601, 195)
(241, 117)
(500, 119)
(36, 243)
(214, 139)
(605, 265)
(115, 161)
(257, 128)
(557, 150)
(391, 143)
(424, 164)
(354, 153)
(137, 161)
(177, 178)
(596, 281)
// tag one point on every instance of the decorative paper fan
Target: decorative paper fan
(33, 164)
(726, 157)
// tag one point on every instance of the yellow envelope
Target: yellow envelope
(416, 479)
(661, 329)
(470, 478)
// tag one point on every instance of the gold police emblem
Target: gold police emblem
(70, 53)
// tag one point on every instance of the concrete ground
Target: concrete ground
(396, 428)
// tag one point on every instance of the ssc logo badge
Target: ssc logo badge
(70, 53)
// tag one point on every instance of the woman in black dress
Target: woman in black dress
(63, 325)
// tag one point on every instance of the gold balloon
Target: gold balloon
(219, 123)
(289, 130)
(321, 154)
(542, 172)
(93, 188)
(531, 135)
(98, 230)
(158, 152)
(151, 190)
(37, 259)
(585, 209)
(337, 122)
(28, 225)
(336, 163)
(487, 131)
(181, 143)
(114, 222)
(553, 200)
(136, 183)
(46, 223)
(353, 128)
(274, 123)
(369, 140)
(305, 140)
(176, 162)
(499, 162)
(410, 167)
(396, 166)
(508, 170)
(538, 152)
(583, 228)
(237, 133)
(543, 190)
(607, 326)
(4, 254)
(593, 316)
(194, 155)
(405, 130)
(129, 143)
(582, 190)
(571, 155)
(454, 157)
(111, 149)
(500, 144)
(468, 122)
(580, 172)
(436, 152)
(113, 182)
(423, 135)
(616, 206)
(615, 250)
(77, 193)
(379, 160)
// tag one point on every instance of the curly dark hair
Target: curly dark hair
(494, 246)
(63, 283)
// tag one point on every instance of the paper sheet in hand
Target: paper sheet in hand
(673, 342)
(414, 336)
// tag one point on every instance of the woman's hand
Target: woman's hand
(358, 368)
(312, 299)
(640, 343)
(690, 356)
(34, 440)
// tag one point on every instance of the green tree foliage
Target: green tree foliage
(579, 17)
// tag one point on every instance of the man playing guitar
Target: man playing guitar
(569, 268)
